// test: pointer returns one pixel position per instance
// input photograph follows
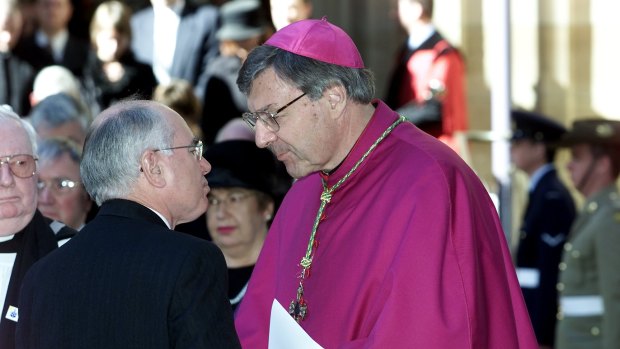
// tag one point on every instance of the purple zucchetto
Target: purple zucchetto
(320, 40)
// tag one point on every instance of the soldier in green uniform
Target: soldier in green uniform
(589, 287)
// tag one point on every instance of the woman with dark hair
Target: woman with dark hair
(242, 201)
(112, 73)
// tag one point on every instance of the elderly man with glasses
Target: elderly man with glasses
(387, 239)
(25, 235)
(133, 282)
(61, 193)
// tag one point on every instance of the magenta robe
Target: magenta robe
(410, 254)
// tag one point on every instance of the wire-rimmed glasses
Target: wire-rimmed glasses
(21, 165)
(196, 149)
(58, 185)
(268, 118)
(233, 199)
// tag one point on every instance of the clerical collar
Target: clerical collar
(6, 238)
(418, 36)
(324, 174)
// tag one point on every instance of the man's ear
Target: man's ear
(336, 97)
(152, 169)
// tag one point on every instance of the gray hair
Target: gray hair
(115, 143)
(55, 79)
(7, 115)
(53, 148)
(57, 110)
(310, 76)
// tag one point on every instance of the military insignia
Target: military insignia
(593, 206)
(553, 241)
(604, 131)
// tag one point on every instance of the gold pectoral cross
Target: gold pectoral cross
(298, 308)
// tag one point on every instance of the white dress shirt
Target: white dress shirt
(56, 44)
(165, 27)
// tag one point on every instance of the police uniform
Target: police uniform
(548, 217)
(589, 286)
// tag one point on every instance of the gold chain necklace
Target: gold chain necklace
(298, 307)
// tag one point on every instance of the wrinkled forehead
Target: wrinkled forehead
(13, 139)
(268, 88)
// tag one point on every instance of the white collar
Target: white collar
(418, 36)
(42, 39)
(538, 175)
(162, 217)
(56, 43)
(6, 238)
(177, 7)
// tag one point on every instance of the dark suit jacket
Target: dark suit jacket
(223, 101)
(196, 44)
(137, 81)
(546, 224)
(16, 78)
(74, 56)
(127, 281)
(32, 243)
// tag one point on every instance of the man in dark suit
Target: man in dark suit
(25, 235)
(242, 29)
(52, 44)
(185, 41)
(548, 217)
(16, 76)
(127, 280)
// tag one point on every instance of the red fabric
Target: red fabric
(410, 254)
(449, 68)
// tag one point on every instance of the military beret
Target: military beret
(240, 163)
(536, 127)
(593, 131)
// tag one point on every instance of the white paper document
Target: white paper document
(285, 333)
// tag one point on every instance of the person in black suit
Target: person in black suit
(548, 217)
(52, 44)
(185, 43)
(25, 235)
(127, 280)
(241, 31)
(16, 75)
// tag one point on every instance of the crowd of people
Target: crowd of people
(131, 49)
(181, 174)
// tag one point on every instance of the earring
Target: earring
(267, 217)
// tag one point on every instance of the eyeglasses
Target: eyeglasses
(232, 200)
(21, 165)
(195, 149)
(268, 118)
(58, 185)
